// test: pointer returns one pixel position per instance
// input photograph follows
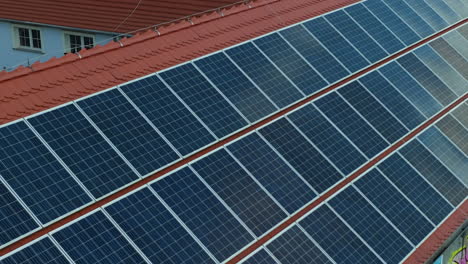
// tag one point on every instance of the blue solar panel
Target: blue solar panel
(168, 114)
(336, 44)
(14, 219)
(315, 169)
(261, 257)
(42, 251)
(442, 69)
(373, 111)
(204, 100)
(458, 6)
(457, 41)
(447, 153)
(84, 150)
(455, 131)
(128, 131)
(328, 139)
(445, 11)
(394, 206)
(315, 53)
(392, 99)
(463, 30)
(411, 89)
(294, 247)
(427, 78)
(286, 58)
(203, 213)
(240, 192)
(272, 172)
(410, 17)
(452, 56)
(375, 28)
(392, 21)
(155, 231)
(36, 176)
(435, 172)
(370, 225)
(428, 14)
(336, 238)
(265, 74)
(461, 114)
(94, 239)
(352, 125)
(356, 35)
(236, 86)
(421, 193)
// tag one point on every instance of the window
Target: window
(27, 38)
(74, 42)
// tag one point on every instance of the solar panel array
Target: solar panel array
(54, 163)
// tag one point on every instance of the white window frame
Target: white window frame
(16, 38)
(66, 39)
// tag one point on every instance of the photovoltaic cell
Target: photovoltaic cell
(436, 173)
(203, 213)
(315, 169)
(36, 176)
(428, 14)
(315, 53)
(459, 7)
(370, 225)
(265, 74)
(42, 251)
(455, 131)
(84, 150)
(336, 238)
(394, 206)
(375, 28)
(168, 114)
(14, 219)
(447, 153)
(204, 100)
(261, 257)
(411, 89)
(463, 30)
(451, 55)
(240, 192)
(458, 41)
(236, 86)
(445, 11)
(352, 125)
(421, 193)
(461, 114)
(294, 247)
(328, 139)
(94, 239)
(392, 99)
(286, 58)
(128, 131)
(155, 231)
(392, 21)
(336, 44)
(356, 35)
(373, 111)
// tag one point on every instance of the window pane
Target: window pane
(75, 43)
(23, 34)
(36, 38)
(88, 42)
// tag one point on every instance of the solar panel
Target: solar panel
(457, 41)
(204, 100)
(42, 251)
(138, 141)
(155, 231)
(301, 154)
(359, 38)
(240, 192)
(416, 188)
(284, 184)
(352, 124)
(428, 14)
(463, 30)
(370, 225)
(336, 44)
(442, 8)
(455, 131)
(168, 114)
(261, 257)
(451, 55)
(94, 239)
(458, 7)
(336, 238)
(328, 139)
(291, 63)
(83, 150)
(327, 65)
(373, 111)
(199, 209)
(265, 74)
(249, 99)
(36, 176)
(293, 246)
(390, 201)
(460, 113)
(410, 17)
